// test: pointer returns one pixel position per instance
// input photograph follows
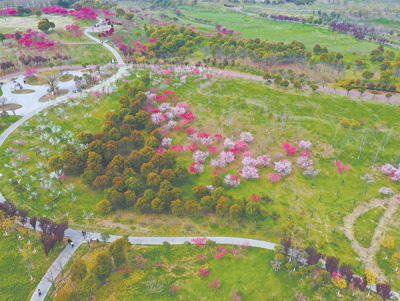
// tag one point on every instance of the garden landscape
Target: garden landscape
(200, 150)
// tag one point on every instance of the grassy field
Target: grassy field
(251, 274)
(15, 282)
(277, 31)
(6, 122)
(364, 227)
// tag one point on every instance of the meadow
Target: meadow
(276, 31)
(312, 206)
(15, 282)
(172, 272)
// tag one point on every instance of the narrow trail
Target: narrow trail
(368, 255)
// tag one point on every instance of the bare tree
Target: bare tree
(52, 81)
(3, 102)
(52, 277)
(87, 237)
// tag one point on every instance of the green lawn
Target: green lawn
(90, 54)
(385, 22)
(15, 282)
(364, 228)
(6, 122)
(276, 31)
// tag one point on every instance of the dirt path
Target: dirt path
(368, 255)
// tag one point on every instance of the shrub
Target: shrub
(104, 207)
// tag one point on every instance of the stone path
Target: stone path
(368, 255)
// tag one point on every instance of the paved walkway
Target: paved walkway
(114, 52)
(30, 102)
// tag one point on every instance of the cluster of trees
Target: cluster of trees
(6, 66)
(361, 86)
(327, 57)
(34, 60)
(357, 31)
(258, 51)
(23, 11)
(217, 201)
(171, 40)
(121, 159)
(297, 2)
(286, 18)
(94, 4)
(302, 262)
(285, 78)
(52, 232)
(85, 277)
(390, 72)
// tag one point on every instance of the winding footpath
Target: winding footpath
(368, 255)
(57, 266)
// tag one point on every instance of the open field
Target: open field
(277, 31)
(15, 282)
(153, 272)
(12, 24)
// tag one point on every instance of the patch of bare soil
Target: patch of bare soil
(9, 107)
(49, 97)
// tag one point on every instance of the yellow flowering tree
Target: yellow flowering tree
(388, 244)
(371, 278)
(395, 260)
(339, 282)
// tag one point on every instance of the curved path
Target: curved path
(112, 49)
(367, 255)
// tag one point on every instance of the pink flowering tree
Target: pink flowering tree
(215, 285)
(387, 169)
(199, 241)
(249, 172)
(341, 167)
(30, 72)
(196, 167)
(395, 176)
(284, 167)
(274, 177)
(290, 149)
(204, 272)
(305, 145)
(200, 156)
(246, 137)
(264, 160)
(386, 191)
(232, 180)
